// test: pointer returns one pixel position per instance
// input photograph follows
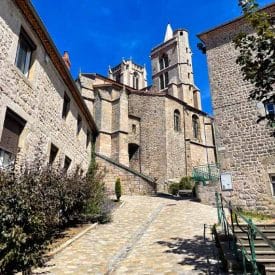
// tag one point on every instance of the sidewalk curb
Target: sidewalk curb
(70, 241)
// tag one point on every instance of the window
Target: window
(24, 53)
(134, 128)
(163, 62)
(135, 80)
(6, 158)
(67, 163)
(177, 121)
(13, 127)
(53, 154)
(188, 75)
(79, 124)
(273, 185)
(195, 121)
(270, 109)
(164, 80)
(66, 106)
(118, 77)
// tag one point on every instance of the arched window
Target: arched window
(177, 120)
(196, 126)
(163, 62)
(135, 81)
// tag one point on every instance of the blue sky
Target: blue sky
(99, 33)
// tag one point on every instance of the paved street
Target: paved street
(148, 235)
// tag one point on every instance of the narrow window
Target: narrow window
(163, 62)
(67, 163)
(273, 185)
(188, 75)
(118, 78)
(79, 124)
(177, 121)
(53, 154)
(166, 77)
(135, 81)
(88, 138)
(134, 128)
(161, 80)
(270, 109)
(195, 122)
(25, 49)
(164, 80)
(13, 127)
(66, 106)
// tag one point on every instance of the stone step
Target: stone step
(269, 270)
(261, 227)
(258, 247)
(243, 236)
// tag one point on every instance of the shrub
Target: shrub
(37, 202)
(186, 183)
(98, 205)
(173, 188)
(118, 190)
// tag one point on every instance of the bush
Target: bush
(173, 188)
(36, 203)
(98, 207)
(118, 190)
(186, 183)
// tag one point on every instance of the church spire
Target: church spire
(169, 33)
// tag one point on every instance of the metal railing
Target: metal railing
(203, 173)
(248, 228)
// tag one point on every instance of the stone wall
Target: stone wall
(151, 110)
(38, 98)
(132, 182)
(245, 148)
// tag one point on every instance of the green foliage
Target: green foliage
(173, 188)
(98, 207)
(257, 55)
(36, 203)
(118, 190)
(186, 183)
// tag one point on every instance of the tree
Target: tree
(257, 57)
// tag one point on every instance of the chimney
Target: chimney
(66, 59)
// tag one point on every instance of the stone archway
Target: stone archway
(134, 158)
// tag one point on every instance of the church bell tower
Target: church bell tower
(172, 70)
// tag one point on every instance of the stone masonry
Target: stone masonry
(245, 148)
(38, 97)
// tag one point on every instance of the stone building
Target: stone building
(42, 113)
(143, 134)
(245, 148)
(160, 130)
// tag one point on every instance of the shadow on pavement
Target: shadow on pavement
(196, 252)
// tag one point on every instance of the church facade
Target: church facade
(158, 130)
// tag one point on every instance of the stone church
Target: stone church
(146, 135)
(158, 130)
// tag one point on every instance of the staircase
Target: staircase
(265, 255)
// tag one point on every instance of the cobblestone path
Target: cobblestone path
(148, 235)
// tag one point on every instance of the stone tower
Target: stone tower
(172, 70)
(129, 73)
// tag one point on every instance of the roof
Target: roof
(40, 30)
(240, 18)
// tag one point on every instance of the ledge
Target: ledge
(148, 179)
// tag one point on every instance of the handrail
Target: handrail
(251, 231)
(248, 221)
